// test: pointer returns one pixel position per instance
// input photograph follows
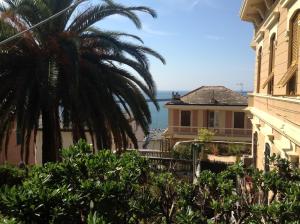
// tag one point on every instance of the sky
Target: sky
(203, 41)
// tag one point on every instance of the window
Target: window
(291, 86)
(239, 120)
(185, 118)
(271, 65)
(271, 86)
(258, 69)
(294, 42)
(272, 53)
(213, 119)
(291, 76)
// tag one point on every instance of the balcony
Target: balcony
(219, 132)
(284, 108)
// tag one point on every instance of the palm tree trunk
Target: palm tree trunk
(52, 141)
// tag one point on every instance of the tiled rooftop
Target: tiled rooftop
(211, 95)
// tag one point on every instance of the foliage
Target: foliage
(182, 150)
(4, 220)
(105, 188)
(10, 175)
(205, 135)
(72, 72)
(228, 149)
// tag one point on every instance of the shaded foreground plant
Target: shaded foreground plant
(107, 188)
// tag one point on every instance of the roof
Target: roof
(211, 95)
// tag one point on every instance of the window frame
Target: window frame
(190, 118)
(272, 59)
(291, 62)
(288, 89)
(259, 65)
(244, 115)
(216, 117)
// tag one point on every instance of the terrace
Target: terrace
(181, 131)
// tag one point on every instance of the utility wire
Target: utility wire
(42, 22)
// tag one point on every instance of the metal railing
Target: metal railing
(226, 132)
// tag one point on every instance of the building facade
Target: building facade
(215, 108)
(275, 101)
(14, 154)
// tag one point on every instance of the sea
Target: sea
(160, 118)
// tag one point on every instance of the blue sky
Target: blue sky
(203, 41)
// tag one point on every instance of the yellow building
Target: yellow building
(215, 108)
(275, 101)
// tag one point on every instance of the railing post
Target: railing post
(196, 149)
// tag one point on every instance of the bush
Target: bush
(182, 151)
(10, 175)
(105, 188)
(205, 135)
(62, 192)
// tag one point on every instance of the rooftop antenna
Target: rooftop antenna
(241, 85)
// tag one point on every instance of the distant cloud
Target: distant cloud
(209, 3)
(213, 37)
(147, 29)
(193, 4)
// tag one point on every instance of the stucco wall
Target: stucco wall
(13, 153)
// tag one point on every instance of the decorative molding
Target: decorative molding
(287, 3)
(290, 132)
(287, 35)
(260, 35)
(260, 11)
(268, 4)
(271, 137)
(284, 144)
(272, 20)
(267, 131)
(253, 45)
(295, 100)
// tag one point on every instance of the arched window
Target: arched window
(271, 65)
(294, 54)
(294, 42)
(290, 78)
(258, 69)
(267, 157)
(270, 80)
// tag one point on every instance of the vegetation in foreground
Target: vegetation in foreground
(107, 188)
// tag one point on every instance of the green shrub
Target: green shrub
(106, 188)
(182, 151)
(205, 135)
(10, 175)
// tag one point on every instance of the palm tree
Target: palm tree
(68, 71)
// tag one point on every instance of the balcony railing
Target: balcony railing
(282, 107)
(222, 132)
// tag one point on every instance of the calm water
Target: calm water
(160, 118)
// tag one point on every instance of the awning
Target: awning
(270, 77)
(288, 75)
